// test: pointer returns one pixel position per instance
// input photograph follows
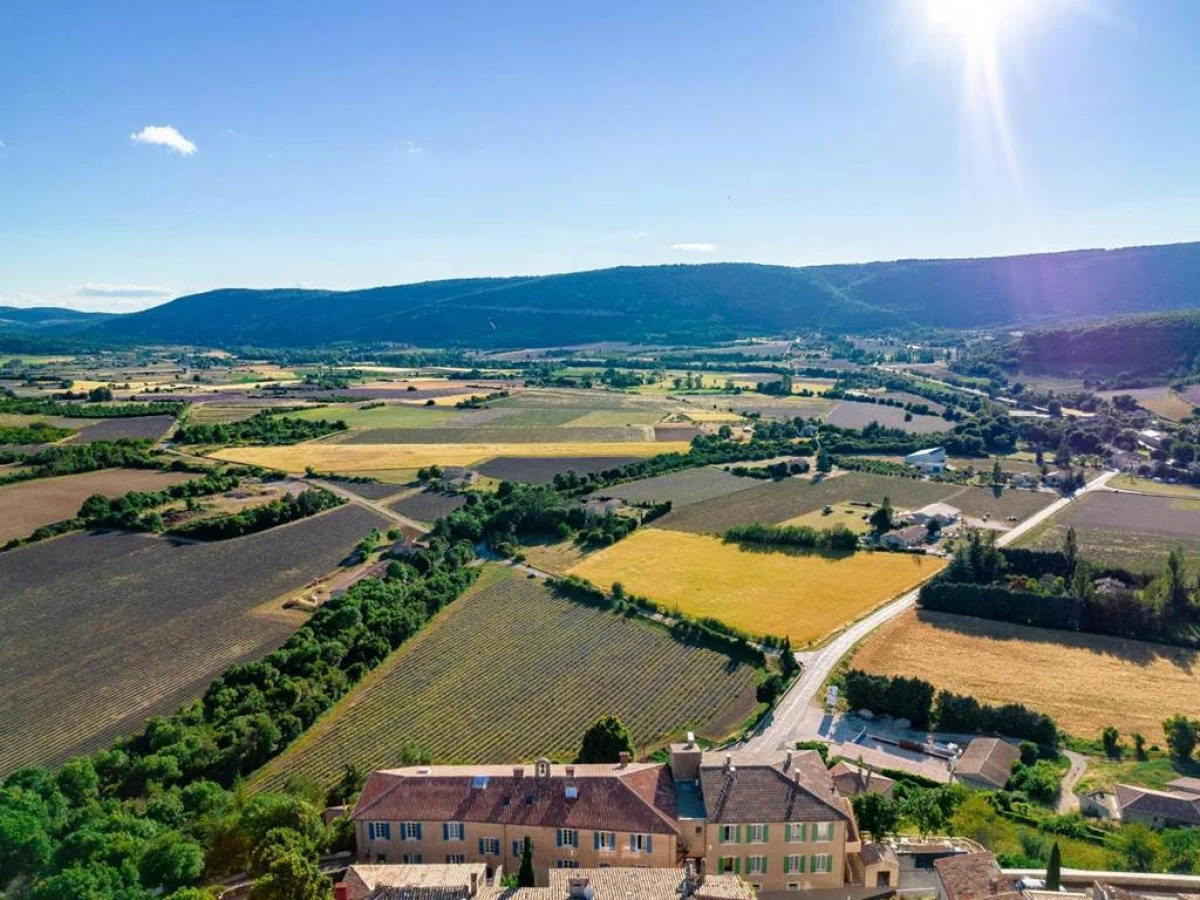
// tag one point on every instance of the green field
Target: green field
(390, 416)
(467, 689)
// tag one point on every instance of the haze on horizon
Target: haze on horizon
(150, 151)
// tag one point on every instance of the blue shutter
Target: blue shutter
(418, 831)
(370, 831)
(445, 831)
(649, 843)
(482, 852)
(387, 831)
(558, 837)
(595, 840)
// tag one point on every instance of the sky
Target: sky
(149, 150)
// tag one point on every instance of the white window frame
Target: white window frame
(721, 869)
(456, 831)
(568, 837)
(374, 828)
(608, 841)
(411, 859)
(410, 831)
(566, 863)
(793, 864)
(756, 833)
(491, 846)
(638, 842)
(822, 832)
(798, 832)
(756, 865)
(822, 863)
(455, 859)
(727, 834)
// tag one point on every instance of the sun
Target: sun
(977, 24)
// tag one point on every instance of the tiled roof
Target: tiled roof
(765, 787)
(1179, 806)
(910, 534)
(873, 854)
(852, 780)
(420, 882)
(973, 876)
(618, 883)
(989, 760)
(1189, 785)
(636, 797)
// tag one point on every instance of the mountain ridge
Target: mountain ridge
(686, 302)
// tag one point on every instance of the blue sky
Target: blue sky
(352, 144)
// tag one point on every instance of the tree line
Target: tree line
(837, 538)
(39, 406)
(261, 428)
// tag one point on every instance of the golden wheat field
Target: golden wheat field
(804, 595)
(326, 457)
(1083, 681)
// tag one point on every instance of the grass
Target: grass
(1159, 400)
(682, 488)
(1149, 486)
(1133, 531)
(805, 596)
(1083, 681)
(355, 458)
(853, 517)
(103, 630)
(1153, 773)
(601, 418)
(465, 690)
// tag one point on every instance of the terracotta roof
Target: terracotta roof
(637, 797)
(852, 780)
(873, 854)
(422, 882)
(973, 876)
(764, 787)
(617, 883)
(989, 760)
(1177, 806)
(1189, 785)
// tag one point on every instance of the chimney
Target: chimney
(691, 739)
(570, 771)
(474, 884)
(624, 758)
(728, 761)
(341, 891)
(518, 772)
(689, 878)
(700, 871)
(580, 888)
(788, 762)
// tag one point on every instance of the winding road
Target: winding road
(796, 716)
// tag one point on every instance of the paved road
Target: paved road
(1067, 801)
(795, 716)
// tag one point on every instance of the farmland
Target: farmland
(545, 434)
(681, 488)
(1083, 681)
(428, 505)
(1134, 531)
(102, 630)
(27, 506)
(804, 595)
(1160, 400)
(849, 414)
(357, 458)
(777, 501)
(150, 428)
(462, 688)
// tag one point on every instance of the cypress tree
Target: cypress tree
(525, 876)
(1054, 869)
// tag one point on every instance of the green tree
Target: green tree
(605, 740)
(347, 786)
(997, 474)
(1139, 747)
(1110, 737)
(525, 875)
(824, 461)
(923, 810)
(291, 876)
(171, 861)
(881, 519)
(1172, 587)
(1054, 869)
(1139, 847)
(1071, 550)
(876, 814)
(977, 819)
(1181, 736)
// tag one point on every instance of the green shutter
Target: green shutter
(766, 833)
(737, 865)
(737, 835)
(802, 864)
(787, 833)
(804, 831)
(764, 865)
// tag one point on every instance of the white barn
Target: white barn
(932, 459)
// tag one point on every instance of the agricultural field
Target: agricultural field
(804, 595)
(28, 505)
(1161, 401)
(778, 501)
(427, 505)
(148, 624)
(393, 415)
(681, 488)
(372, 490)
(542, 469)
(1083, 681)
(852, 517)
(150, 428)
(1128, 482)
(977, 502)
(1134, 531)
(849, 414)
(548, 434)
(764, 405)
(361, 458)
(464, 688)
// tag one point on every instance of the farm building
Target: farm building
(599, 507)
(905, 538)
(775, 819)
(1024, 480)
(1099, 803)
(1158, 809)
(986, 763)
(973, 876)
(854, 780)
(942, 513)
(931, 459)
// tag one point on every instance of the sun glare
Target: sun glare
(976, 23)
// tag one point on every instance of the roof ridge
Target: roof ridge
(806, 789)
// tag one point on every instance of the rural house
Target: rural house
(851, 781)
(1158, 809)
(776, 820)
(986, 763)
(974, 876)
(930, 460)
(905, 538)
(942, 513)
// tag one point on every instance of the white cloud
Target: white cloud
(412, 148)
(165, 136)
(694, 248)
(124, 291)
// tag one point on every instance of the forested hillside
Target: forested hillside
(1139, 346)
(687, 303)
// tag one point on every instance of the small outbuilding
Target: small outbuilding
(986, 763)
